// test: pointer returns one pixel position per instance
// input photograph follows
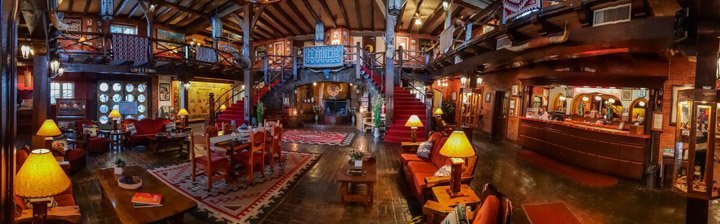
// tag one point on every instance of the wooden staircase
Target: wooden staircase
(404, 105)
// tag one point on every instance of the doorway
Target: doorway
(498, 117)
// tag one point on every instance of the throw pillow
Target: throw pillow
(60, 144)
(424, 149)
(457, 216)
(90, 130)
(170, 127)
(444, 171)
(130, 127)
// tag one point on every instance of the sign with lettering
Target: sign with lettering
(323, 56)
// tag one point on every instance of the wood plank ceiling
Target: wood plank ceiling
(287, 18)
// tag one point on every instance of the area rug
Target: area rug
(577, 174)
(550, 213)
(318, 137)
(237, 202)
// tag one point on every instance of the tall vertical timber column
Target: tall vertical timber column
(390, 21)
(247, 72)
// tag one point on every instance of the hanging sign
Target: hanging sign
(323, 56)
(514, 8)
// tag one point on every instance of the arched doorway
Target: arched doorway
(637, 110)
(587, 103)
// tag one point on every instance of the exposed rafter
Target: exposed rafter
(417, 13)
(343, 13)
(275, 20)
(87, 6)
(372, 15)
(177, 7)
(273, 26)
(438, 13)
(295, 10)
(291, 21)
(357, 12)
(400, 16)
(327, 10)
(454, 14)
(383, 8)
(132, 11)
(310, 9)
(118, 9)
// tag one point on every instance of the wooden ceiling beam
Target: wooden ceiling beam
(302, 18)
(174, 16)
(87, 7)
(118, 10)
(284, 30)
(372, 15)
(291, 21)
(383, 7)
(275, 20)
(357, 13)
(343, 13)
(177, 6)
(400, 16)
(466, 4)
(438, 13)
(132, 11)
(452, 15)
(310, 9)
(70, 5)
(327, 10)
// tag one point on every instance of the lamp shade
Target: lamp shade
(115, 114)
(183, 112)
(457, 146)
(438, 111)
(40, 176)
(49, 129)
(413, 121)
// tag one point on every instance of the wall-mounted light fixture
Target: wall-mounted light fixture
(26, 51)
(463, 81)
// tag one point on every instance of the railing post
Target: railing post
(212, 109)
(358, 59)
(398, 78)
(294, 63)
(265, 68)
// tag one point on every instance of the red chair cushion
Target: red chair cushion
(488, 212)
(147, 126)
(216, 160)
(74, 153)
(407, 157)
(245, 155)
(421, 167)
(419, 182)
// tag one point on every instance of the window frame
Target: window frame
(65, 90)
(124, 27)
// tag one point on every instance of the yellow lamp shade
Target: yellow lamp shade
(413, 121)
(115, 114)
(223, 107)
(49, 129)
(183, 112)
(438, 111)
(457, 146)
(40, 176)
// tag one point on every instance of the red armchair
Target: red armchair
(420, 172)
(145, 129)
(86, 142)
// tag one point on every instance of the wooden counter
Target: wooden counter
(605, 150)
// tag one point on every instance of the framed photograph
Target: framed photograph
(454, 96)
(487, 97)
(164, 92)
(75, 25)
(673, 106)
(657, 121)
(515, 90)
(402, 42)
(70, 107)
(512, 104)
(626, 95)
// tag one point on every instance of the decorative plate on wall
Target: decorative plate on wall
(129, 87)
(333, 90)
(104, 87)
(141, 88)
(117, 87)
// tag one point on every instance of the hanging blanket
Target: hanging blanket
(205, 54)
(130, 48)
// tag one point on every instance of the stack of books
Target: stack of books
(145, 200)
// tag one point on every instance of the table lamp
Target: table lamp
(115, 116)
(48, 129)
(40, 177)
(183, 114)
(457, 147)
(438, 112)
(413, 122)
(223, 108)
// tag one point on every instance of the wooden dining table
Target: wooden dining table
(234, 143)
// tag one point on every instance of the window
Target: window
(62, 90)
(124, 29)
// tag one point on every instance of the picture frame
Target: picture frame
(487, 97)
(626, 95)
(164, 91)
(512, 104)
(402, 42)
(673, 105)
(515, 90)
(657, 122)
(70, 108)
(454, 96)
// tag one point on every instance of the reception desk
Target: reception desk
(610, 151)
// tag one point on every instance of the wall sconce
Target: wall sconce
(26, 51)
(314, 83)
(463, 81)
(585, 99)
(479, 81)
(445, 4)
(55, 68)
(187, 85)
(598, 98)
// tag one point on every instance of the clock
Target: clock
(333, 90)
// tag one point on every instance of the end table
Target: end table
(436, 211)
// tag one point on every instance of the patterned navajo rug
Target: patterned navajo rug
(318, 137)
(237, 202)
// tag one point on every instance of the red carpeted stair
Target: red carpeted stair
(235, 111)
(405, 105)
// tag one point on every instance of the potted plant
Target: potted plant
(356, 158)
(376, 112)
(316, 110)
(119, 165)
(259, 112)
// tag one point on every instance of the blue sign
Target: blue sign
(323, 56)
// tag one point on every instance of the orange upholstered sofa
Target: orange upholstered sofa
(420, 172)
(145, 129)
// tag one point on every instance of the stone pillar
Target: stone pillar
(390, 21)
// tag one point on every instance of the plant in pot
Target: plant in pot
(259, 112)
(356, 157)
(376, 112)
(119, 165)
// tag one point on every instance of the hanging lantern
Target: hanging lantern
(107, 9)
(394, 7)
(26, 51)
(319, 32)
(216, 27)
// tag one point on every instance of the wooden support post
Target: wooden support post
(390, 21)
(212, 109)
(247, 73)
(41, 92)
(266, 79)
(294, 63)
(8, 106)
(358, 60)
(399, 80)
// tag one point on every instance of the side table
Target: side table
(435, 211)
(347, 182)
(116, 137)
(410, 146)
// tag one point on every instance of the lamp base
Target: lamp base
(456, 177)
(413, 134)
(39, 211)
(455, 194)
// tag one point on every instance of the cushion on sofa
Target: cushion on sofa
(444, 171)
(425, 149)
(438, 159)
(407, 157)
(419, 182)
(421, 167)
(457, 216)
(488, 212)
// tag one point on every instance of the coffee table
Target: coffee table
(171, 139)
(175, 203)
(347, 182)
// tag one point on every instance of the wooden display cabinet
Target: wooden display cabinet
(470, 106)
(697, 164)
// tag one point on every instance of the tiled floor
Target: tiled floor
(314, 199)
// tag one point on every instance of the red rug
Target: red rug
(577, 174)
(318, 137)
(551, 213)
(238, 201)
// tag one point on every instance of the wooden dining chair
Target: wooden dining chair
(271, 123)
(276, 146)
(256, 154)
(211, 163)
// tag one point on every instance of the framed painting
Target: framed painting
(70, 107)
(515, 90)
(164, 91)
(673, 106)
(169, 36)
(402, 42)
(75, 25)
(626, 95)
(487, 97)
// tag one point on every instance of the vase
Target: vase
(376, 132)
(118, 170)
(358, 163)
